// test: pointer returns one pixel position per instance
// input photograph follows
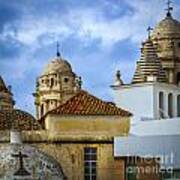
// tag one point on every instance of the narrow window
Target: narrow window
(90, 163)
(178, 78)
(52, 82)
(179, 44)
(42, 110)
(170, 105)
(161, 105)
(178, 105)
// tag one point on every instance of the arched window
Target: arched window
(178, 78)
(161, 105)
(178, 105)
(52, 82)
(66, 80)
(42, 110)
(170, 105)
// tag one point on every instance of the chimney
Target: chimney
(15, 137)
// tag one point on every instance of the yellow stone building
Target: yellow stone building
(74, 127)
(79, 128)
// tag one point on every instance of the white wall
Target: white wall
(166, 89)
(136, 99)
(142, 100)
(156, 127)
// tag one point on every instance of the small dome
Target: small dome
(18, 119)
(57, 65)
(168, 27)
(3, 87)
(27, 162)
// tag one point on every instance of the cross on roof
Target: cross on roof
(169, 7)
(149, 29)
(58, 53)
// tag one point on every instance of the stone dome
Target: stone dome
(3, 87)
(20, 161)
(168, 27)
(58, 64)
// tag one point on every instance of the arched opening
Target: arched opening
(42, 110)
(161, 105)
(52, 82)
(178, 105)
(170, 105)
(178, 78)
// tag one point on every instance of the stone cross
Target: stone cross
(58, 53)
(149, 29)
(22, 171)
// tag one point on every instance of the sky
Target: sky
(97, 37)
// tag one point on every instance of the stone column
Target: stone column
(171, 76)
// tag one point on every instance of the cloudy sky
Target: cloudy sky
(96, 37)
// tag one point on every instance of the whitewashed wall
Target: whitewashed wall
(136, 99)
(143, 99)
(156, 127)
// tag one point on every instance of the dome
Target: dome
(57, 65)
(19, 161)
(168, 27)
(18, 119)
(3, 87)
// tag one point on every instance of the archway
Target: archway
(170, 105)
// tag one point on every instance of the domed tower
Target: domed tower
(6, 97)
(166, 38)
(55, 86)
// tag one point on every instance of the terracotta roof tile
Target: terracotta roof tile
(86, 104)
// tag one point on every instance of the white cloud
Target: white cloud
(86, 24)
(89, 23)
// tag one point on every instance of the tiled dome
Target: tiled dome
(18, 119)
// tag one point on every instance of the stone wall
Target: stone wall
(71, 158)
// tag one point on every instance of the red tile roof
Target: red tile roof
(86, 104)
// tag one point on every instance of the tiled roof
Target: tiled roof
(86, 104)
(18, 119)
